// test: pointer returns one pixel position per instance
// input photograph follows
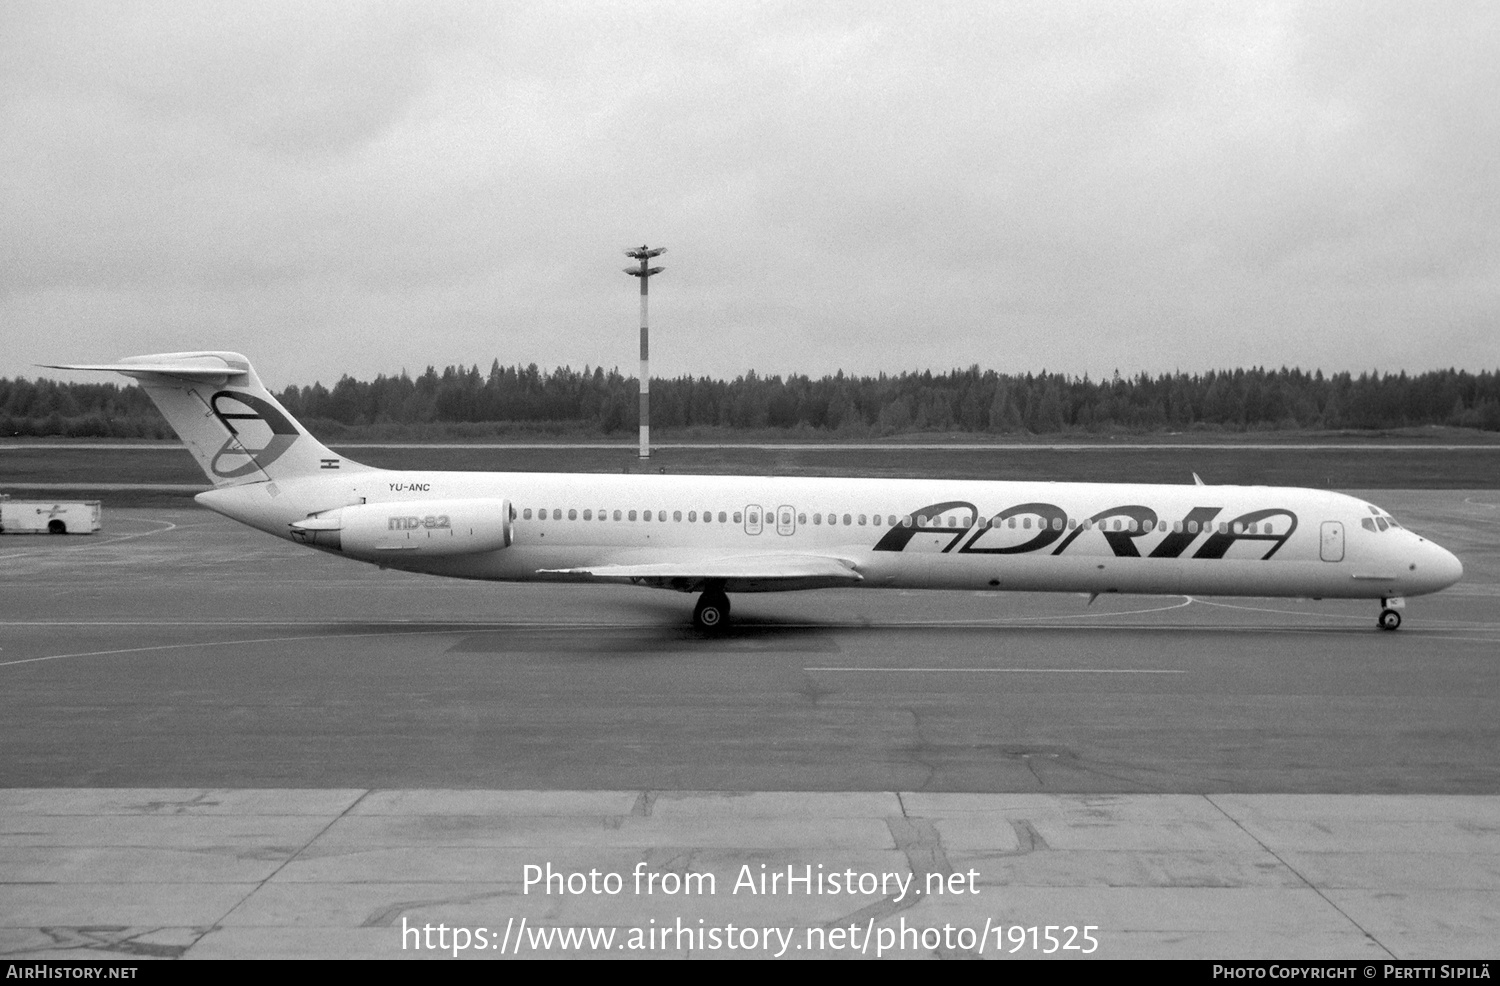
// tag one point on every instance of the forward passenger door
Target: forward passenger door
(1332, 545)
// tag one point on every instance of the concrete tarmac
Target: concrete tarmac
(329, 873)
(178, 660)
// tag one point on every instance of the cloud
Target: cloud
(1077, 186)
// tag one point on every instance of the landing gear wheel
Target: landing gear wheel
(712, 612)
(1389, 619)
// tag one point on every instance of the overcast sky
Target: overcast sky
(337, 188)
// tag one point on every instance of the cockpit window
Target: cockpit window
(1380, 522)
(1367, 524)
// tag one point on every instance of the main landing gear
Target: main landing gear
(1390, 618)
(712, 612)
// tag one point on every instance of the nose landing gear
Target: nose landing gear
(1390, 618)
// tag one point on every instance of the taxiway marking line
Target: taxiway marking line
(34, 552)
(1018, 670)
(221, 643)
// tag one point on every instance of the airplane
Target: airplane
(716, 535)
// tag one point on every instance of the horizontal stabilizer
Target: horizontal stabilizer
(211, 368)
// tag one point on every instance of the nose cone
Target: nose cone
(1450, 567)
(1438, 568)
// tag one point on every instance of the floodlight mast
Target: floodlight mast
(644, 272)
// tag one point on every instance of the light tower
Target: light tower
(644, 272)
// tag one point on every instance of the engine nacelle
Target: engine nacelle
(411, 527)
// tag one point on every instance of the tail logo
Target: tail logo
(259, 434)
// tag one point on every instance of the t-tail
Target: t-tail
(226, 417)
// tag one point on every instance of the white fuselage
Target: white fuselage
(916, 533)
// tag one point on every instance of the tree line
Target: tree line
(461, 401)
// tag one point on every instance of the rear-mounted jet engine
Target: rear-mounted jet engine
(410, 527)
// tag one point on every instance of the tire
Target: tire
(1389, 619)
(711, 615)
(56, 527)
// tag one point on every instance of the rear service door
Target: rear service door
(1332, 548)
(786, 520)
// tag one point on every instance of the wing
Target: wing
(737, 573)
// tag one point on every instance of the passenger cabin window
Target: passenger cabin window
(692, 516)
(676, 516)
(617, 515)
(526, 514)
(631, 515)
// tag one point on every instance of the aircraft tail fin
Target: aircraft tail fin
(234, 427)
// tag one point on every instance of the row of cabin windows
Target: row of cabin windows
(850, 520)
(644, 515)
